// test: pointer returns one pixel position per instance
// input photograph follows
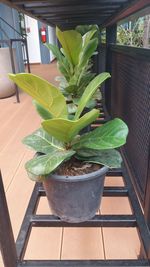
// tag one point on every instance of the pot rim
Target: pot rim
(77, 178)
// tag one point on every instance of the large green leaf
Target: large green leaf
(71, 89)
(83, 29)
(43, 92)
(65, 130)
(110, 158)
(44, 113)
(71, 42)
(42, 142)
(72, 109)
(91, 104)
(89, 91)
(87, 52)
(112, 134)
(44, 165)
(63, 70)
(55, 50)
(84, 81)
(63, 63)
(88, 36)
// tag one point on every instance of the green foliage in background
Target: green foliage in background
(74, 60)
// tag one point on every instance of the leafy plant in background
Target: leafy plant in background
(83, 29)
(58, 140)
(74, 62)
(131, 33)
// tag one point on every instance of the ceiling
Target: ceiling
(69, 13)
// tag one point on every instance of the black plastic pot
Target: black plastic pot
(75, 198)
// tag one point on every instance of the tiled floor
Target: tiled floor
(18, 120)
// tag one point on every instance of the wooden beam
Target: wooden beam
(53, 16)
(8, 3)
(79, 14)
(76, 21)
(67, 6)
(69, 9)
(73, 3)
(135, 6)
(64, 2)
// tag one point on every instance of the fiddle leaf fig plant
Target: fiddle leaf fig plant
(58, 139)
(74, 62)
(83, 29)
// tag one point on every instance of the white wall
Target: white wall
(52, 39)
(33, 40)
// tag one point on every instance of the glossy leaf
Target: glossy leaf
(83, 83)
(89, 91)
(88, 36)
(62, 61)
(112, 134)
(43, 92)
(71, 89)
(110, 158)
(91, 104)
(63, 70)
(72, 109)
(64, 130)
(71, 42)
(87, 52)
(55, 50)
(83, 29)
(41, 141)
(44, 113)
(44, 165)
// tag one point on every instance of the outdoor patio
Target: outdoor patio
(111, 40)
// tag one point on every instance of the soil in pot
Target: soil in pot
(75, 190)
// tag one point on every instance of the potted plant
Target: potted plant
(74, 63)
(7, 87)
(71, 167)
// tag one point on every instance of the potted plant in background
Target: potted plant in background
(83, 29)
(74, 63)
(70, 165)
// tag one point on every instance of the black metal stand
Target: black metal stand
(7, 243)
(9, 248)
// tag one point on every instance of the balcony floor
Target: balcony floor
(18, 120)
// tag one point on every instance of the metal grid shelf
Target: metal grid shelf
(33, 220)
(135, 220)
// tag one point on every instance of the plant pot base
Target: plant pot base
(75, 199)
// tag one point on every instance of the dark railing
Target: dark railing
(130, 100)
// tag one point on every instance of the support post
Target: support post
(13, 69)
(147, 194)
(7, 243)
(27, 55)
(111, 33)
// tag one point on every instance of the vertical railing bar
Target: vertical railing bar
(144, 233)
(13, 68)
(27, 55)
(25, 230)
(7, 243)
